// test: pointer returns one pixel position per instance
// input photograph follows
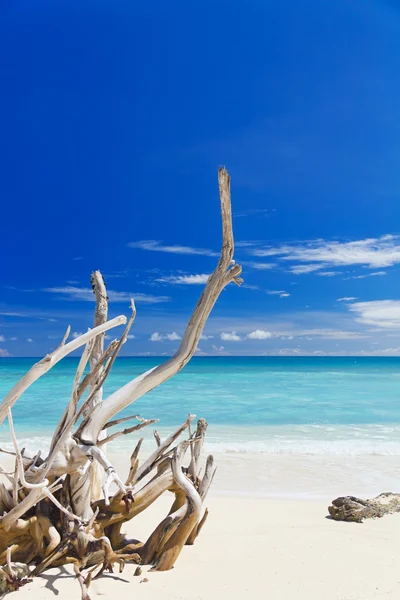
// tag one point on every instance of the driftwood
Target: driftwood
(58, 509)
(350, 508)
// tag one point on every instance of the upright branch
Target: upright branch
(100, 317)
(90, 482)
(225, 272)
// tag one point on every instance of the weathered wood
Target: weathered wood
(350, 508)
(58, 509)
(225, 272)
(44, 365)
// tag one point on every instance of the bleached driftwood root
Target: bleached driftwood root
(350, 508)
(59, 509)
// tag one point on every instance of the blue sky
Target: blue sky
(115, 118)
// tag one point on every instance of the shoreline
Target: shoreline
(267, 475)
(300, 477)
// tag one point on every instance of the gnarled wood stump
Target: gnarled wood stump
(350, 508)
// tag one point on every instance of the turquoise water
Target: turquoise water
(254, 404)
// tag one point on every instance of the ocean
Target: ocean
(321, 410)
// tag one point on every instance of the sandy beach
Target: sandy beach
(267, 535)
(256, 549)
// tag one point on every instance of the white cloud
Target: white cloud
(157, 246)
(160, 337)
(173, 336)
(86, 295)
(329, 273)
(304, 269)
(185, 279)
(257, 265)
(156, 337)
(320, 254)
(380, 313)
(13, 339)
(206, 337)
(76, 334)
(259, 334)
(267, 251)
(130, 336)
(334, 334)
(218, 348)
(29, 340)
(376, 273)
(261, 212)
(2, 338)
(4, 353)
(280, 293)
(381, 352)
(230, 337)
(347, 299)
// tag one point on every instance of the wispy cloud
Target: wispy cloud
(255, 212)
(157, 246)
(280, 293)
(380, 313)
(259, 266)
(321, 254)
(259, 334)
(289, 334)
(4, 353)
(376, 273)
(329, 273)
(347, 299)
(218, 348)
(206, 337)
(230, 337)
(334, 334)
(30, 340)
(304, 269)
(2, 338)
(200, 279)
(86, 295)
(160, 337)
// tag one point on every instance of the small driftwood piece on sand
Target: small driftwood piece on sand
(59, 509)
(350, 508)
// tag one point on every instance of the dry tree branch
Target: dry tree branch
(118, 434)
(44, 365)
(152, 460)
(225, 272)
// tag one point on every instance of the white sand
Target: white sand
(256, 549)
